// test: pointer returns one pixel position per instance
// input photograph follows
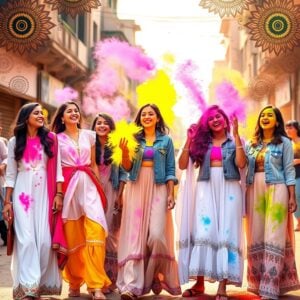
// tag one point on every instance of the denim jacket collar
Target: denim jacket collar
(228, 138)
(158, 137)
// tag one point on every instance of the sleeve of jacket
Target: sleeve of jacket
(288, 165)
(170, 162)
(123, 175)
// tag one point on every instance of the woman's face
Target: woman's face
(148, 117)
(36, 118)
(291, 131)
(71, 115)
(216, 121)
(267, 119)
(102, 127)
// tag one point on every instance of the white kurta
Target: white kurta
(34, 264)
(81, 197)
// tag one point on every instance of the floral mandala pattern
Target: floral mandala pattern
(261, 86)
(6, 63)
(73, 7)
(24, 25)
(19, 84)
(275, 26)
(225, 8)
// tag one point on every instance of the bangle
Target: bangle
(7, 202)
(60, 194)
(239, 147)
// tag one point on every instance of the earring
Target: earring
(62, 122)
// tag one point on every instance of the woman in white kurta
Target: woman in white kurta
(215, 236)
(35, 270)
(84, 201)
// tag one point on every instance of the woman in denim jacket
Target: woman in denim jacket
(292, 128)
(216, 233)
(146, 245)
(113, 179)
(270, 202)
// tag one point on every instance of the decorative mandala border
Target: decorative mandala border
(73, 7)
(225, 8)
(24, 26)
(275, 26)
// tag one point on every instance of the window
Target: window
(76, 25)
(95, 32)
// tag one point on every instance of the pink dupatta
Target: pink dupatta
(59, 243)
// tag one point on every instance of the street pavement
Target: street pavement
(210, 288)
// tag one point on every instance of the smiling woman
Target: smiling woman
(34, 181)
(270, 202)
(147, 221)
(84, 204)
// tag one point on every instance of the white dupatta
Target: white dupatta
(184, 215)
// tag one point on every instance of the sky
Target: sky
(181, 28)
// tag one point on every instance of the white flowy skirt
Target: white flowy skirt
(34, 266)
(217, 240)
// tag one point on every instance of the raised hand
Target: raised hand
(235, 125)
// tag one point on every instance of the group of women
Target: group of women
(79, 216)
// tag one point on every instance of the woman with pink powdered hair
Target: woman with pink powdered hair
(215, 237)
(34, 181)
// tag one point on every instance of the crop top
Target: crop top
(148, 153)
(216, 153)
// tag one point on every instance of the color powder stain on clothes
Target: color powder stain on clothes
(231, 257)
(231, 197)
(72, 152)
(33, 150)
(138, 213)
(263, 201)
(205, 220)
(277, 212)
(25, 201)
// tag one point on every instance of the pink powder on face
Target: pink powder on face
(25, 201)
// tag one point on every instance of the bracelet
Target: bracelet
(60, 194)
(239, 147)
(185, 149)
(6, 202)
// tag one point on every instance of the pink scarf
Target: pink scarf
(59, 243)
(68, 172)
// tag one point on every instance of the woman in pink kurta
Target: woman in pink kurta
(84, 202)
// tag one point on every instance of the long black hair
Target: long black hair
(278, 132)
(107, 150)
(57, 124)
(20, 132)
(161, 126)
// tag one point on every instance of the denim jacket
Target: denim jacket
(164, 160)
(231, 171)
(278, 163)
(117, 174)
